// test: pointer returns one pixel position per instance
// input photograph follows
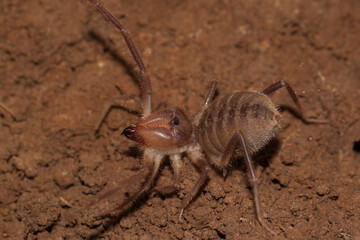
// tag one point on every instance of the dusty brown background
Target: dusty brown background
(60, 61)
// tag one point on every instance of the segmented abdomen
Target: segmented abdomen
(252, 113)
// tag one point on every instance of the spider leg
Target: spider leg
(283, 83)
(143, 173)
(205, 169)
(153, 168)
(145, 80)
(211, 93)
(176, 165)
(238, 138)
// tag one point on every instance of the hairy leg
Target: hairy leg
(152, 165)
(205, 169)
(211, 93)
(283, 83)
(145, 80)
(176, 165)
(142, 173)
(236, 140)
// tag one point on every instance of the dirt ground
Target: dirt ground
(60, 62)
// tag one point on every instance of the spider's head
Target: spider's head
(163, 129)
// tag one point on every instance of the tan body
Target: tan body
(254, 114)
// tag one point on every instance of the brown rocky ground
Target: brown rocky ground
(60, 61)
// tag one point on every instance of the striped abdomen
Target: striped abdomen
(254, 114)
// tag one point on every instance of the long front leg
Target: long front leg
(153, 169)
(236, 140)
(205, 168)
(283, 83)
(145, 80)
(211, 93)
(176, 165)
(143, 173)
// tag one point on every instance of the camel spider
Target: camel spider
(242, 122)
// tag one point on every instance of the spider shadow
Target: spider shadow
(267, 153)
(114, 220)
(108, 48)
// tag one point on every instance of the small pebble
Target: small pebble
(24, 165)
(63, 178)
(322, 189)
(126, 223)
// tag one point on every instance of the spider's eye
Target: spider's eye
(176, 121)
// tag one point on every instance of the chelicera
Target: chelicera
(239, 123)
